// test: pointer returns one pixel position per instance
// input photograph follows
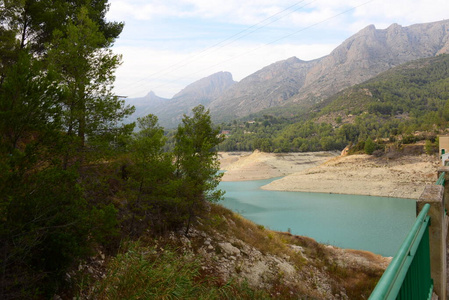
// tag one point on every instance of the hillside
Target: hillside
(361, 57)
(411, 89)
(170, 111)
(228, 257)
(393, 105)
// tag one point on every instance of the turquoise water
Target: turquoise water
(376, 224)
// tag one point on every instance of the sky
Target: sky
(168, 44)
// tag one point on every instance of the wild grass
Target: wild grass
(142, 272)
(234, 225)
(162, 268)
(357, 280)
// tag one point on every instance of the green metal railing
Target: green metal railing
(441, 179)
(408, 275)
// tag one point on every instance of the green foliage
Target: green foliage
(44, 229)
(152, 184)
(197, 161)
(369, 146)
(56, 73)
(28, 103)
(167, 190)
(406, 99)
(431, 147)
(85, 72)
(150, 273)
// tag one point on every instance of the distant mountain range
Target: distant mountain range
(294, 82)
(170, 111)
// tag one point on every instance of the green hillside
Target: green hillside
(395, 104)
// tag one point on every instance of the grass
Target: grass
(266, 241)
(163, 268)
(142, 272)
(358, 281)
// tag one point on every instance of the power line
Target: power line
(231, 39)
(270, 43)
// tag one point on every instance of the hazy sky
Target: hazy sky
(168, 44)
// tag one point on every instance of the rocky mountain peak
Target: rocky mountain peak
(208, 87)
(303, 83)
(151, 94)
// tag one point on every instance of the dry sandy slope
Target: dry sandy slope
(241, 166)
(325, 172)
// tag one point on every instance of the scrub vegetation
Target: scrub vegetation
(73, 177)
(199, 267)
(390, 107)
(90, 208)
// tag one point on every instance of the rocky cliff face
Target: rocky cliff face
(359, 58)
(269, 87)
(206, 89)
(304, 83)
(370, 52)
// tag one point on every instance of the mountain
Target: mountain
(145, 105)
(295, 85)
(359, 58)
(269, 87)
(371, 52)
(410, 98)
(170, 111)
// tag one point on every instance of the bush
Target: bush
(369, 146)
(156, 273)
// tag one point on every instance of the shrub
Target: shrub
(369, 146)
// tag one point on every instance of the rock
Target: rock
(229, 249)
(286, 268)
(185, 241)
(297, 248)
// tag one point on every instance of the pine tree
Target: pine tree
(197, 162)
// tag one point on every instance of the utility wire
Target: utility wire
(223, 43)
(262, 46)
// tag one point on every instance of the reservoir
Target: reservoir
(376, 224)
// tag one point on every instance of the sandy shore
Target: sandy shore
(241, 166)
(327, 172)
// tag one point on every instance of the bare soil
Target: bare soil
(327, 172)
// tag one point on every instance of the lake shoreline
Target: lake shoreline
(328, 172)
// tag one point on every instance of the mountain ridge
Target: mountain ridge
(170, 111)
(359, 58)
(301, 84)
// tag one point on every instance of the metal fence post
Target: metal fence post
(433, 194)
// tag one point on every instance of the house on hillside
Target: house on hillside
(444, 148)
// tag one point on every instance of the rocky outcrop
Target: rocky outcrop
(359, 58)
(270, 87)
(304, 83)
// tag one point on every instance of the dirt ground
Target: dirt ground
(328, 172)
